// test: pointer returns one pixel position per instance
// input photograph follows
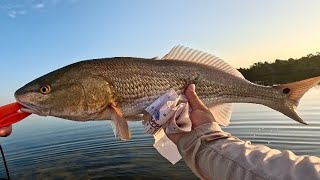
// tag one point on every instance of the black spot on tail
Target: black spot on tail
(286, 90)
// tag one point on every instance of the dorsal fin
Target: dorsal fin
(187, 54)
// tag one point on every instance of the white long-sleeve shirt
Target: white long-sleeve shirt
(213, 154)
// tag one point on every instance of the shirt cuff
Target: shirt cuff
(190, 137)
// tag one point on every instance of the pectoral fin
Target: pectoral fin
(113, 105)
(120, 125)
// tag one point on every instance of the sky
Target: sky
(39, 36)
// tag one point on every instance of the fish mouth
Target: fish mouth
(30, 108)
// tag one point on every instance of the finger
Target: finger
(5, 131)
(193, 98)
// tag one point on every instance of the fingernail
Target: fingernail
(193, 87)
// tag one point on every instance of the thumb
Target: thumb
(193, 98)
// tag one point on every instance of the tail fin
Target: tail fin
(295, 91)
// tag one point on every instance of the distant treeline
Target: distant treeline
(283, 71)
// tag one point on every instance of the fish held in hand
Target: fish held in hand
(121, 88)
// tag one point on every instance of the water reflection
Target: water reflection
(50, 148)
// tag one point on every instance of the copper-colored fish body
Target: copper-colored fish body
(116, 88)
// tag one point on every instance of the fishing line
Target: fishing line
(5, 163)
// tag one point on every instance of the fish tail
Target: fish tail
(294, 92)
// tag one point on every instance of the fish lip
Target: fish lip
(30, 108)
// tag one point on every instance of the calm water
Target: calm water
(50, 148)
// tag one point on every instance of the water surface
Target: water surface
(51, 148)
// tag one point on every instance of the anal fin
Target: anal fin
(222, 113)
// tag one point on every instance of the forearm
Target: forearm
(213, 154)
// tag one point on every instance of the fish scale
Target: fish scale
(152, 81)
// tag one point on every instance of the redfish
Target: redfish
(120, 88)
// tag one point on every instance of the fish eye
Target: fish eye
(45, 89)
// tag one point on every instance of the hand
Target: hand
(199, 115)
(5, 131)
